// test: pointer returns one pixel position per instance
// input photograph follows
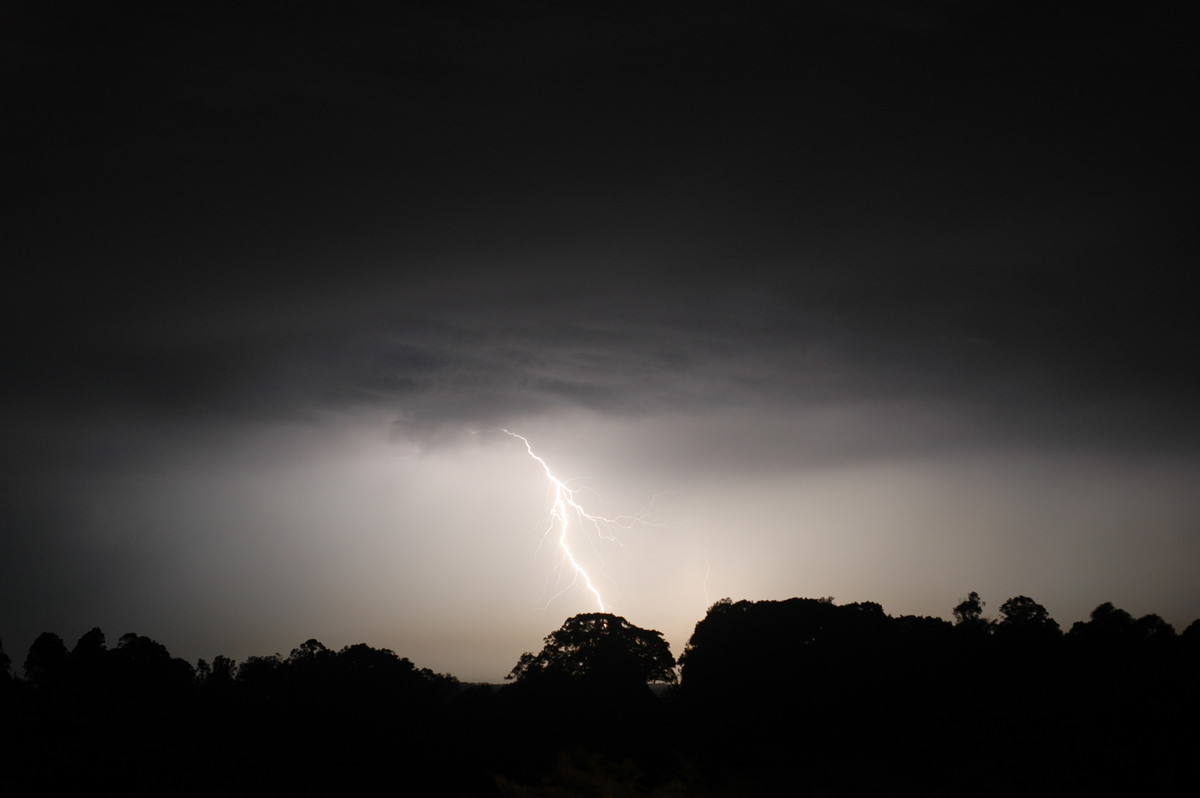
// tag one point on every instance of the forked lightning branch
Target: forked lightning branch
(570, 522)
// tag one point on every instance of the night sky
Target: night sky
(884, 301)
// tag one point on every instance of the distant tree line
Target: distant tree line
(796, 696)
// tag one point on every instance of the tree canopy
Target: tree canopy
(1024, 620)
(599, 647)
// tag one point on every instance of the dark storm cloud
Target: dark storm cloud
(614, 340)
(473, 215)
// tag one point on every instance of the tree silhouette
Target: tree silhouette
(90, 664)
(600, 648)
(1153, 629)
(969, 624)
(144, 668)
(969, 611)
(46, 663)
(1109, 626)
(1023, 620)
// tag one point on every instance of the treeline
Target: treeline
(797, 696)
(140, 671)
(317, 717)
(1005, 706)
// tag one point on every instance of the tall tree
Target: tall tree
(969, 611)
(46, 663)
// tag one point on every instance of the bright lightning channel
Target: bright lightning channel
(566, 513)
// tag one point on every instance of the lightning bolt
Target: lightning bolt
(566, 514)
